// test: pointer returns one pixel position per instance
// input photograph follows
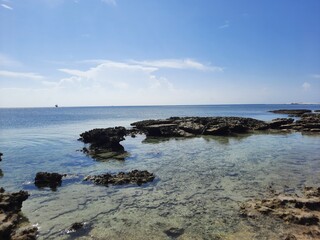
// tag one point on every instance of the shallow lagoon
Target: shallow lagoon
(199, 183)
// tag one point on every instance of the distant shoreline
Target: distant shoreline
(165, 105)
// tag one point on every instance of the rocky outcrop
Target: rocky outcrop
(1, 154)
(195, 126)
(11, 219)
(279, 122)
(292, 112)
(192, 126)
(51, 180)
(301, 211)
(133, 177)
(308, 123)
(104, 142)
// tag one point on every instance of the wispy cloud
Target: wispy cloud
(317, 76)
(306, 86)
(154, 65)
(6, 6)
(28, 75)
(110, 2)
(6, 61)
(225, 25)
(179, 64)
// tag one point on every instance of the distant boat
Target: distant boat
(56, 105)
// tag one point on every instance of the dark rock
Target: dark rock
(1, 154)
(278, 122)
(11, 220)
(316, 111)
(174, 232)
(292, 112)
(104, 140)
(309, 122)
(105, 137)
(45, 179)
(192, 126)
(75, 227)
(162, 130)
(133, 177)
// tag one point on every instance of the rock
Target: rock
(103, 140)
(174, 232)
(133, 177)
(279, 122)
(302, 212)
(162, 130)
(45, 179)
(316, 111)
(193, 126)
(10, 217)
(1, 154)
(292, 112)
(309, 122)
(290, 236)
(75, 227)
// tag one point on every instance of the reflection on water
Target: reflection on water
(199, 186)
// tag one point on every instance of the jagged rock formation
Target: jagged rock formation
(133, 177)
(192, 126)
(104, 142)
(11, 219)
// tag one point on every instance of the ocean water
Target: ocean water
(200, 182)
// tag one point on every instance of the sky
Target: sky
(158, 52)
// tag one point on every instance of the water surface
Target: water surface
(199, 183)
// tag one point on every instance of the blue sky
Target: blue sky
(145, 52)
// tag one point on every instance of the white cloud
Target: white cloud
(28, 75)
(306, 86)
(110, 2)
(179, 64)
(112, 74)
(6, 61)
(317, 76)
(111, 83)
(225, 25)
(6, 6)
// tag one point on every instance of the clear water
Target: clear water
(199, 183)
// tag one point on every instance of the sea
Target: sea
(200, 182)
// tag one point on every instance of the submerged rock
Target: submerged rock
(174, 232)
(301, 211)
(292, 112)
(46, 179)
(133, 177)
(11, 220)
(104, 142)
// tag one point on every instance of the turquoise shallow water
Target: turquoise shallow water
(199, 183)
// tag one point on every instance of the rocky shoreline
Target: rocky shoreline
(13, 225)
